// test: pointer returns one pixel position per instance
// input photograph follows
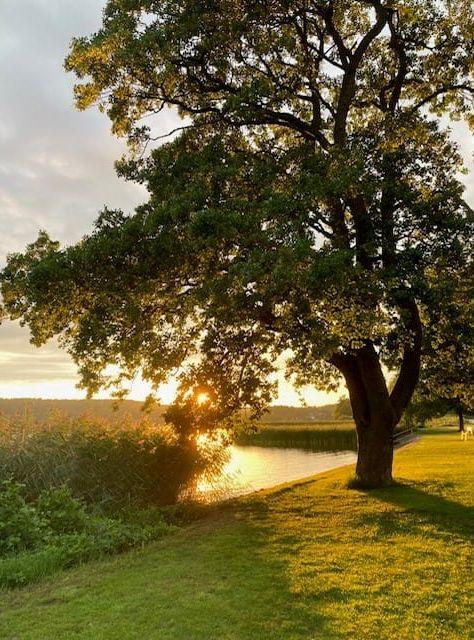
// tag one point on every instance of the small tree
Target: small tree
(303, 209)
(447, 371)
(343, 408)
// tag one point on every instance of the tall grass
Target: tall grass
(337, 435)
(77, 488)
(295, 438)
(107, 465)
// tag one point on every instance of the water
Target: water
(253, 468)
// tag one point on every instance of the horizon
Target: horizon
(158, 402)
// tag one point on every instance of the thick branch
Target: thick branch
(348, 86)
(440, 91)
(347, 365)
(410, 368)
(398, 46)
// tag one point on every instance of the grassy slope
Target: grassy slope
(307, 561)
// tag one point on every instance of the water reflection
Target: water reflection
(252, 468)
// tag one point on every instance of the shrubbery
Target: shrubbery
(75, 489)
(61, 511)
(21, 526)
(56, 531)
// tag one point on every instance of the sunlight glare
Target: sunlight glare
(202, 398)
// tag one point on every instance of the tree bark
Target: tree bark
(373, 413)
(374, 454)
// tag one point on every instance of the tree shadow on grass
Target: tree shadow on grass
(426, 507)
(219, 578)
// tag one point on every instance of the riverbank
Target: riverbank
(308, 560)
(336, 435)
(322, 436)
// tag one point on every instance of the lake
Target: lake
(253, 468)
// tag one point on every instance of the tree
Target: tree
(302, 209)
(447, 372)
(343, 408)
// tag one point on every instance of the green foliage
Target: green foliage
(101, 536)
(61, 511)
(447, 373)
(247, 63)
(21, 526)
(45, 526)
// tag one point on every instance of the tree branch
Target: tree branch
(347, 365)
(410, 368)
(348, 86)
(440, 91)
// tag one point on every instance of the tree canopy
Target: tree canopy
(303, 210)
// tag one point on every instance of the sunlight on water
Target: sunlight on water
(253, 468)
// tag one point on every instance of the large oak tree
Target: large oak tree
(300, 214)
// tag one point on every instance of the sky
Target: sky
(56, 173)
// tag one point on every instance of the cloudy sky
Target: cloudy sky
(56, 170)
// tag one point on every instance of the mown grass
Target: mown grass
(312, 560)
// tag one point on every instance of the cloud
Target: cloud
(21, 362)
(56, 164)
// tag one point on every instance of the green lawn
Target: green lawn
(308, 561)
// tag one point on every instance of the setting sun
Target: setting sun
(202, 398)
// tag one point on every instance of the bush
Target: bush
(101, 537)
(21, 527)
(57, 532)
(61, 511)
(76, 490)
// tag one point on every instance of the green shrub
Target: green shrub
(21, 527)
(57, 532)
(61, 511)
(100, 538)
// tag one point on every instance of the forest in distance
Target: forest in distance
(40, 409)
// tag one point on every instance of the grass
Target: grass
(327, 425)
(307, 561)
(295, 438)
(336, 435)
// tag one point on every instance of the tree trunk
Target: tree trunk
(374, 454)
(376, 412)
(373, 413)
(460, 413)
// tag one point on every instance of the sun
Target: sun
(202, 398)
